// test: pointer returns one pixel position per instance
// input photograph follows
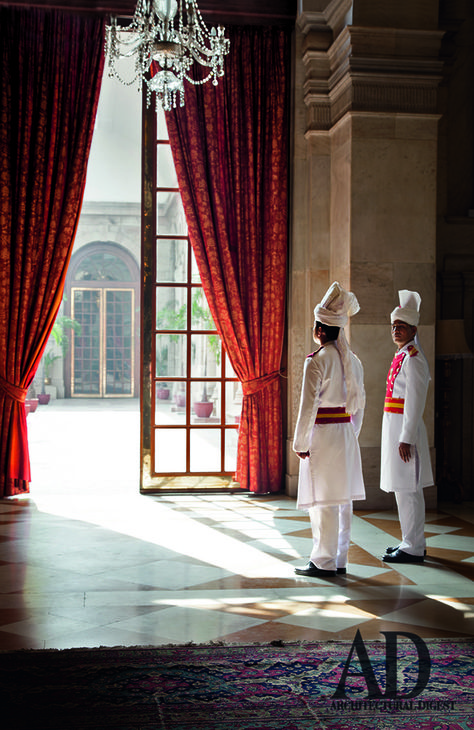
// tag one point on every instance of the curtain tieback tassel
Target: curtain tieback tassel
(250, 387)
(13, 391)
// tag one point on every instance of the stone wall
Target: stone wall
(364, 188)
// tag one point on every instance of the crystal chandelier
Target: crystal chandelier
(172, 33)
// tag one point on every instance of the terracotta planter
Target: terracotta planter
(163, 393)
(44, 398)
(33, 403)
(27, 408)
(203, 409)
(181, 400)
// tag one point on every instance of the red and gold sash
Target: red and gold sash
(394, 405)
(332, 415)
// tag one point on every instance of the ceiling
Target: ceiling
(238, 12)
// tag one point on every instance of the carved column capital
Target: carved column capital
(351, 68)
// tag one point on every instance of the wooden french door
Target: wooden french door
(191, 398)
(102, 355)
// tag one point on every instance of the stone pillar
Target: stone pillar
(364, 207)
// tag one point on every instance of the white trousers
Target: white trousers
(411, 513)
(331, 528)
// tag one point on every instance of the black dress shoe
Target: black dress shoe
(341, 571)
(312, 571)
(391, 550)
(400, 556)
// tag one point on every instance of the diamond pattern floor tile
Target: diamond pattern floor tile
(87, 561)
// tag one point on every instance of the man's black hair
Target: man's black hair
(331, 332)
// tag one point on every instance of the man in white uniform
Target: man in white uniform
(326, 435)
(406, 465)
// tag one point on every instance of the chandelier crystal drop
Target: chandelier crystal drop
(172, 33)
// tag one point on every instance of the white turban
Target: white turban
(336, 306)
(409, 309)
(334, 310)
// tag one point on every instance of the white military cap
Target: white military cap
(409, 309)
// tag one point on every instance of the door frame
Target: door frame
(133, 284)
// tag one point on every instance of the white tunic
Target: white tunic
(333, 472)
(411, 383)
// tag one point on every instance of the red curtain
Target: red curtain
(50, 74)
(230, 147)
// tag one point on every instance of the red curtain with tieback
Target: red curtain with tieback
(51, 67)
(230, 147)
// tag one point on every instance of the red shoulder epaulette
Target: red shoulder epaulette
(412, 351)
(312, 354)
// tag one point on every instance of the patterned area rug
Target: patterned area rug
(215, 687)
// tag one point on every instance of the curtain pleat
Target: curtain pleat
(230, 147)
(51, 68)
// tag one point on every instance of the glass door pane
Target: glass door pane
(118, 342)
(86, 350)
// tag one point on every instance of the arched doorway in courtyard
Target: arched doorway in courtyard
(102, 294)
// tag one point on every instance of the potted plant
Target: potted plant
(162, 391)
(170, 318)
(48, 360)
(175, 318)
(31, 401)
(60, 337)
(204, 406)
(180, 396)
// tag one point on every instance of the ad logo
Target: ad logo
(373, 689)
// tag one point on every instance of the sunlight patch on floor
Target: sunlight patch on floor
(158, 524)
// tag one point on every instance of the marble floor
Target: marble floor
(85, 560)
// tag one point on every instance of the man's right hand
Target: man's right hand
(405, 451)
